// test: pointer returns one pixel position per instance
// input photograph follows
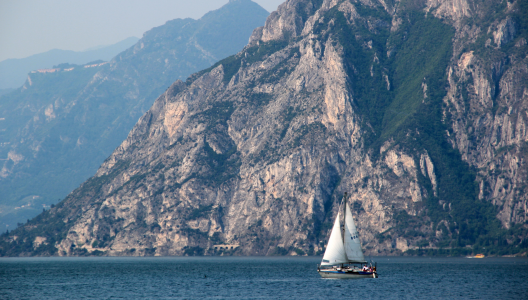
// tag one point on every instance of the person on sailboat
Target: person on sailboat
(365, 269)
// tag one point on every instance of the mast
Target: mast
(344, 223)
(344, 202)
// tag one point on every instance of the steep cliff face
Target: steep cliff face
(365, 97)
(58, 129)
(487, 105)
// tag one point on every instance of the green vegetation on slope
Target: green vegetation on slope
(388, 73)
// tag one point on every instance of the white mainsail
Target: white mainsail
(335, 250)
(352, 242)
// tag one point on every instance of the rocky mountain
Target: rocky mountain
(417, 109)
(13, 72)
(59, 127)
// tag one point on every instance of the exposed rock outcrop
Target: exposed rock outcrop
(328, 97)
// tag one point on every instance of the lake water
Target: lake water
(258, 278)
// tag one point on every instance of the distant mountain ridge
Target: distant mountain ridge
(59, 126)
(417, 108)
(13, 72)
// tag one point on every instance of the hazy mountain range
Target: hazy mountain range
(61, 124)
(13, 72)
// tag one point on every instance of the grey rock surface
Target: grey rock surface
(258, 150)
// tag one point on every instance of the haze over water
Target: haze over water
(258, 278)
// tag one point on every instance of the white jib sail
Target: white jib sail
(352, 242)
(335, 250)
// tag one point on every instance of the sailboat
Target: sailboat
(343, 257)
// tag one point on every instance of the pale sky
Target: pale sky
(29, 27)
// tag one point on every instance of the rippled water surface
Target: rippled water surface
(258, 278)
